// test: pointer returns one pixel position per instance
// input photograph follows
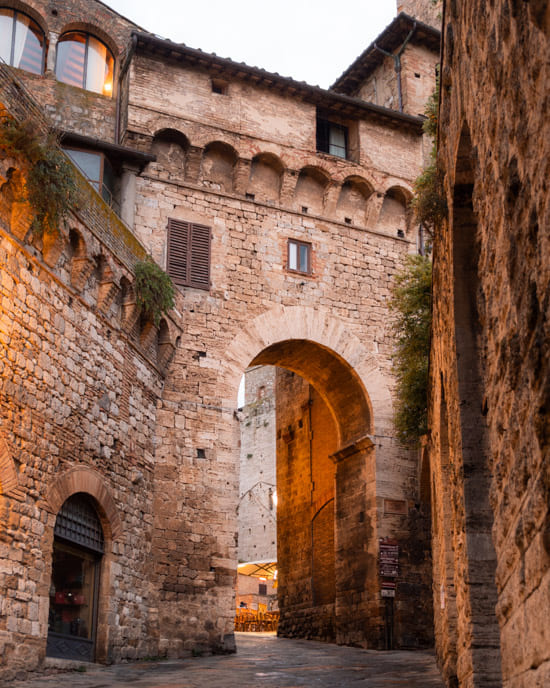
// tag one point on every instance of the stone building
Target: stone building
(489, 446)
(257, 510)
(281, 212)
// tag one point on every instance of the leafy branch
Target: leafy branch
(429, 203)
(51, 187)
(411, 303)
(154, 290)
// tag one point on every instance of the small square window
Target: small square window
(219, 86)
(332, 138)
(299, 257)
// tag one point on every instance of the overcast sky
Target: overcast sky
(309, 40)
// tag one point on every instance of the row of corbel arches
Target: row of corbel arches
(217, 165)
(100, 281)
(114, 294)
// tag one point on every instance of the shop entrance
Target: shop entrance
(77, 552)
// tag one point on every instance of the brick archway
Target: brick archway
(310, 342)
(87, 480)
(84, 479)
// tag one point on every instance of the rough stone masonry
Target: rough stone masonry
(281, 211)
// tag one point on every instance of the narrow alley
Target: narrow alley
(262, 660)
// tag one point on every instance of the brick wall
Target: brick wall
(425, 10)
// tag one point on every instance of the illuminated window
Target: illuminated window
(299, 257)
(21, 41)
(86, 62)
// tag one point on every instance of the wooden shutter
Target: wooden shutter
(189, 254)
(178, 251)
(199, 264)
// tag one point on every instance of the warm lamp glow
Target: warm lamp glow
(108, 87)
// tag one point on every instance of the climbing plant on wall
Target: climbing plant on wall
(429, 203)
(154, 290)
(50, 183)
(411, 305)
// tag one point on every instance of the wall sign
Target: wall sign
(389, 558)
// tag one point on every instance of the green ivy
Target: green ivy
(154, 290)
(51, 187)
(411, 304)
(429, 203)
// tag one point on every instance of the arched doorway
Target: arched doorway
(326, 496)
(78, 548)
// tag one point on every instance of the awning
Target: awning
(258, 569)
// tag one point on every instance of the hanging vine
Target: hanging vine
(429, 203)
(154, 290)
(51, 187)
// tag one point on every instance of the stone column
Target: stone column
(288, 185)
(356, 546)
(241, 175)
(50, 54)
(332, 194)
(128, 193)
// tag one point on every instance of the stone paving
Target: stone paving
(262, 660)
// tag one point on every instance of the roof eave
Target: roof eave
(392, 37)
(329, 99)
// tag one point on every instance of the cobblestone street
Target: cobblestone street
(262, 660)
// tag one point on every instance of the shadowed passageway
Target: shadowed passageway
(263, 660)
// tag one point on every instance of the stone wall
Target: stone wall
(489, 363)
(425, 10)
(80, 382)
(245, 164)
(306, 437)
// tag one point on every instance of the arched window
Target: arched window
(85, 61)
(22, 41)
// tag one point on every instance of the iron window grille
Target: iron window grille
(78, 522)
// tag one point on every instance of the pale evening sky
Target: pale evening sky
(309, 40)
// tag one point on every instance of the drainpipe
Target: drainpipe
(123, 71)
(397, 63)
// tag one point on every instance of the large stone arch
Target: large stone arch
(286, 335)
(326, 353)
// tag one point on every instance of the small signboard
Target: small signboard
(389, 558)
(388, 589)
